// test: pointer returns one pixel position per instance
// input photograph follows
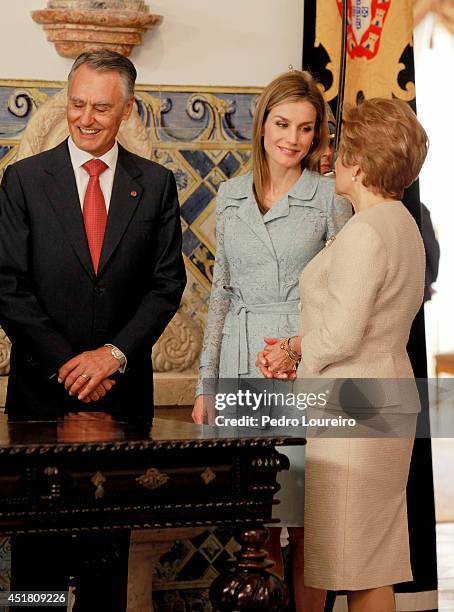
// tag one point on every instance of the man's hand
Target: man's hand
(83, 373)
(101, 390)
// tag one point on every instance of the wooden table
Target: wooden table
(88, 472)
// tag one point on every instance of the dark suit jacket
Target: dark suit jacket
(53, 306)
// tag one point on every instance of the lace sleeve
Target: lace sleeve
(219, 303)
(339, 212)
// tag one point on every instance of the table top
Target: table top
(97, 429)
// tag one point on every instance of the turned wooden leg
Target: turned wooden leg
(248, 585)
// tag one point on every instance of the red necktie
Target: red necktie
(95, 214)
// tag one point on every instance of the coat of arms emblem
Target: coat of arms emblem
(365, 24)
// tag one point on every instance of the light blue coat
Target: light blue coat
(259, 259)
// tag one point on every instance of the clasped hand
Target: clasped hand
(273, 362)
(87, 375)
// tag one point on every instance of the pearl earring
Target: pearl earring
(354, 178)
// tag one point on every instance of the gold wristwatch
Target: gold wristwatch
(115, 352)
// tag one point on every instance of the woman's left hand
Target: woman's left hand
(273, 362)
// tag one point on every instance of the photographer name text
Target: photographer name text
(282, 421)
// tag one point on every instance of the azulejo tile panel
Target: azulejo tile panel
(201, 133)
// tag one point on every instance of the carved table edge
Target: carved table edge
(83, 447)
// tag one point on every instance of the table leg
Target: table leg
(248, 585)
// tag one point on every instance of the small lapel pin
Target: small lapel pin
(134, 194)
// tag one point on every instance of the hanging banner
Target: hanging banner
(379, 35)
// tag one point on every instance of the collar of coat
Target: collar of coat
(304, 189)
(303, 193)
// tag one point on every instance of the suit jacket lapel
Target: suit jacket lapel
(242, 194)
(126, 195)
(61, 190)
(250, 214)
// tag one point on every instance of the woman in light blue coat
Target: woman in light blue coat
(269, 224)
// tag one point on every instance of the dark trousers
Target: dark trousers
(97, 564)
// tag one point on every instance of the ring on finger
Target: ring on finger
(84, 376)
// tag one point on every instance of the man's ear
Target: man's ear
(128, 108)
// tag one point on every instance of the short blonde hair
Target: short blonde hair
(386, 140)
(293, 86)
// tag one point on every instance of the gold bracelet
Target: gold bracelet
(285, 346)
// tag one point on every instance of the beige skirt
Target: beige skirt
(355, 513)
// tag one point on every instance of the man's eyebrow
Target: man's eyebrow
(99, 103)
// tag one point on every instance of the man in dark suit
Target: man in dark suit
(91, 270)
(85, 295)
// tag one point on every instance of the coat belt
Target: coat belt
(239, 325)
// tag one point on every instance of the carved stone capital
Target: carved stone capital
(179, 346)
(75, 26)
(5, 352)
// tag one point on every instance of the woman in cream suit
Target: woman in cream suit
(359, 297)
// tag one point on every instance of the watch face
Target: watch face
(119, 355)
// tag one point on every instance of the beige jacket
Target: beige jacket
(359, 297)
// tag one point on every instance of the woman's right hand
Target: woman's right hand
(204, 411)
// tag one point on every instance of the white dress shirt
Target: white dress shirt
(106, 178)
(79, 157)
